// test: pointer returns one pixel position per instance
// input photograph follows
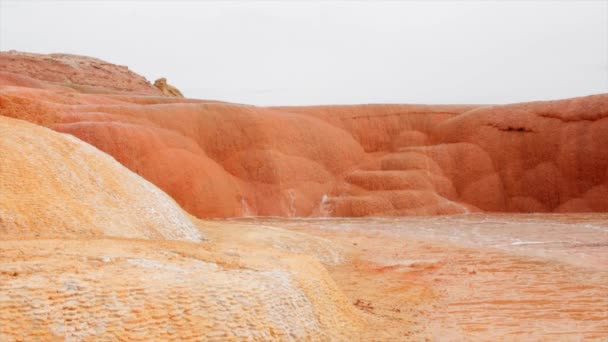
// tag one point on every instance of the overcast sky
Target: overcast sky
(320, 52)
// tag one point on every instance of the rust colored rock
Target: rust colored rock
(221, 159)
(85, 74)
(91, 251)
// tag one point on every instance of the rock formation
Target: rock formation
(90, 250)
(222, 159)
(95, 163)
(54, 185)
(83, 74)
(166, 88)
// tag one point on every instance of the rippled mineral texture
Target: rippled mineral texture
(102, 178)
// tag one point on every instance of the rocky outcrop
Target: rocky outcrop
(222, 159)
(91, 250)
(83, 74)
(166, 88)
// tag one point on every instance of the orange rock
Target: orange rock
(54, 185)
(221, 159)
(166, 88)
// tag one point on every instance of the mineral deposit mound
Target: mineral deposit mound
(224, 159)
(104, 177)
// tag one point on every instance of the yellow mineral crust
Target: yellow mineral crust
(54, 185)
(108, 289)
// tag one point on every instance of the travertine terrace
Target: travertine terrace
(104, 180)
(357, 160)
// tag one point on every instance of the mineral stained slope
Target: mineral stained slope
(91, 251)
(223, 159)
(54, 185)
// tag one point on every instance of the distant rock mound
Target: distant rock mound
(166, 88)
(85, 74)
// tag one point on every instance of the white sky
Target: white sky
(313, 52)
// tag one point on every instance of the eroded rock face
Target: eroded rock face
(221, 159)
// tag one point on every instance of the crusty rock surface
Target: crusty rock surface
(107, 289)
(460, 278)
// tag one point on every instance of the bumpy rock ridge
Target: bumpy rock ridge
(221, 159)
